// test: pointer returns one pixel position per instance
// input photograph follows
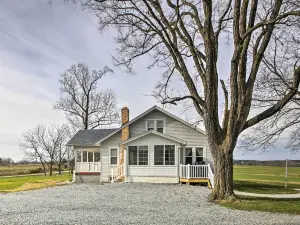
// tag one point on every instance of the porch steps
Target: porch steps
(196, 181)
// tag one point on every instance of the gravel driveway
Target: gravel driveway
(125, 204)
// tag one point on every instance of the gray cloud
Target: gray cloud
(39, 41)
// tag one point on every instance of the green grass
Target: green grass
(265, 180)
(290, 206)
(21, 169)
(13, 184)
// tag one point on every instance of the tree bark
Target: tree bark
(223, 170)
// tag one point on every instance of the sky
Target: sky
(39, 41)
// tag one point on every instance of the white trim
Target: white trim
(138, 155)
(109, 160)
(145, 113)
(153, 132)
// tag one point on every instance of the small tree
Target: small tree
(86, 108)
(45, 144)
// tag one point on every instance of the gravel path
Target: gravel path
(285, 196)
(126, 204)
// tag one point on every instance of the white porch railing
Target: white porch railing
(211, 176)
(87, 166)
(117, 173)
(197, 171)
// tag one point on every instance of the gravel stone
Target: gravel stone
(123, 203)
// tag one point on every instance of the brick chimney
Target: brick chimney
(125, 131)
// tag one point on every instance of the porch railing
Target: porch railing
(88, 166)
(193, 171)
(197, 171)
(117, 173)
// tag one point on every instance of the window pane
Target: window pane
(170, 155)
(143, 155)
(113, 152)
(150, 124)
(161, 130)
(188, 152)
(78, 156)
(132, 155)
(113, 160)
(160, 124)
(97, 156)
(158, 155)
(84, 156)
(199, 151)
(90, 157)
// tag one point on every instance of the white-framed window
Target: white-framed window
(194, 155)
(156, 124)
(150, 125)
(164, 154)
(138, 155)
(199, 154)
(113, 160)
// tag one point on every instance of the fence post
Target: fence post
(188, 171)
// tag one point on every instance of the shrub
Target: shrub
(36, 170)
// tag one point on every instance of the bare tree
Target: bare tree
(86, 108)
(45, 144)
(271, 86)
(183, 36)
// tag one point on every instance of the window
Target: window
(157, 125)
(84, 156)
(90, 156)
(113, 156)
(78, 156)
(138, 155)
(143, 155)
(169, 155)
(189, 156)
(132, 155)
(97, 156)
(150, 124)
(164, 155)
(199, 155)
(160, 126)
(159, 155)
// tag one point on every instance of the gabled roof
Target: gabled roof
(156, 133)
(89, 137)
(146, 112)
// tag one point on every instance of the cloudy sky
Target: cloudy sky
(39, 41)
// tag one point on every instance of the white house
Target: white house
(156, 146)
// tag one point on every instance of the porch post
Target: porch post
(125, 164)
(81, 153)
(188, 173)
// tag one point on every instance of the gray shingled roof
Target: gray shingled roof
(89, 137)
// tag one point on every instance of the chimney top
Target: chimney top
(125, 115)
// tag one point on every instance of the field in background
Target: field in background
(30, 182)
(22, 169)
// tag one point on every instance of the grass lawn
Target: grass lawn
(265, 180)
(20, 169)
(291, 206)
(13, 184)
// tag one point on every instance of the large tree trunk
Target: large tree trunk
(223, 170)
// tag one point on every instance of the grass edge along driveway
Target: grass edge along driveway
(24, 183)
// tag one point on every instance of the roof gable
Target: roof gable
(156, 133)
(145, 113)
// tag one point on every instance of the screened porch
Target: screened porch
(87, 161)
